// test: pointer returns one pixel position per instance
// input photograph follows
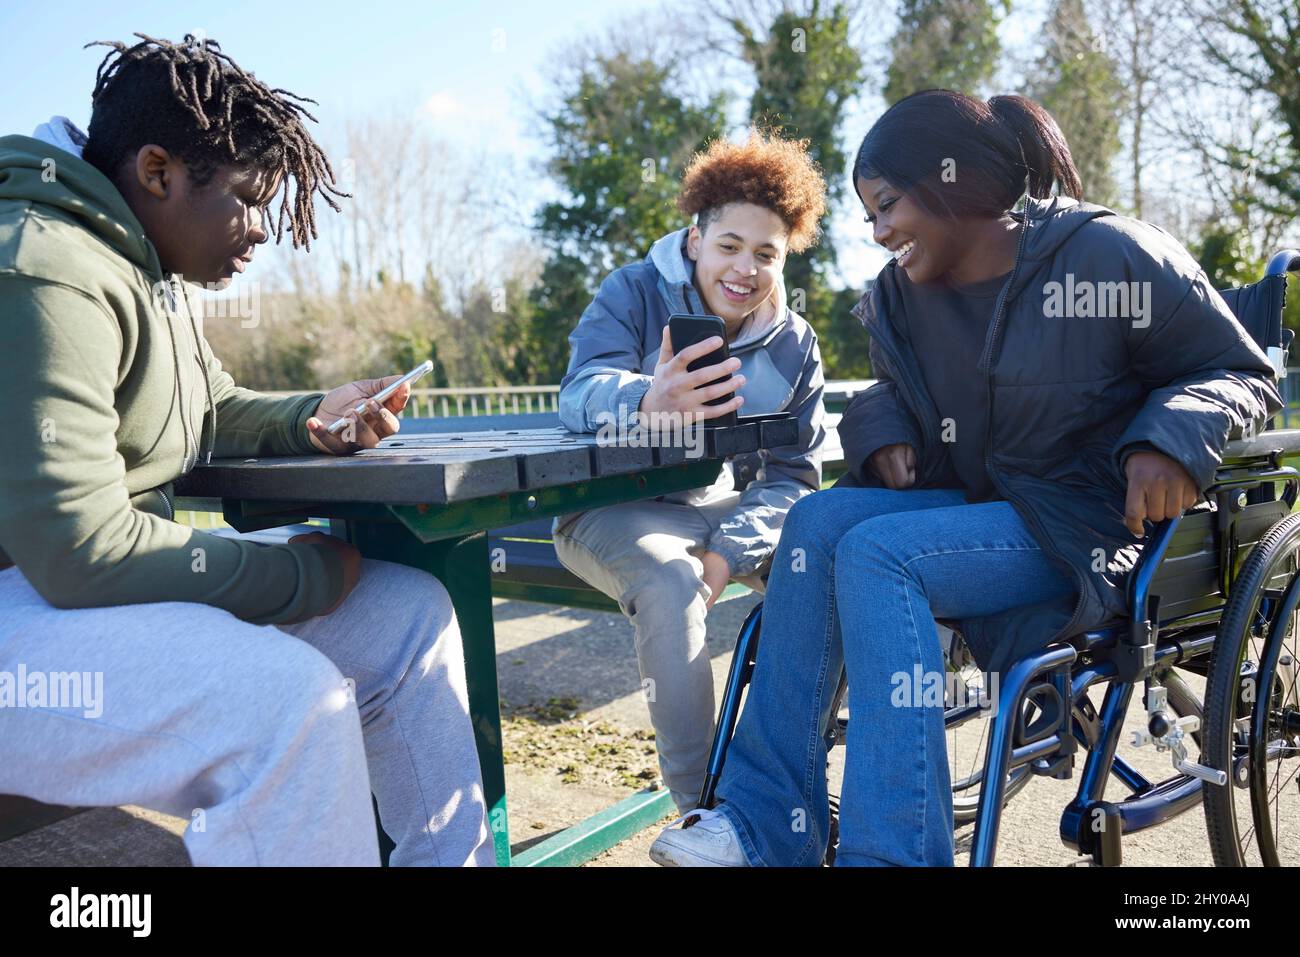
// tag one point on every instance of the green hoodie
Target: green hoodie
(112, 393)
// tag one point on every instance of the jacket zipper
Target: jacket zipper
(904, 383)
(171, 511)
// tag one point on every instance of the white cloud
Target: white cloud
(443, 106)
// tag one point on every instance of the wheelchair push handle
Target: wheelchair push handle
(1284, 261)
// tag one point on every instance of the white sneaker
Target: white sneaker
(705, 839)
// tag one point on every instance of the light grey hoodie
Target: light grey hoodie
(615, 347)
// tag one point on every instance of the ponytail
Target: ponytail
(958, 156)
(1044, 153)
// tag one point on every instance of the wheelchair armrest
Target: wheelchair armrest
(1278, 442)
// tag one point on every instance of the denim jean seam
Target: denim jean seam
(925, 769)
(940, 553)
(903, 567)
(920, 808)
(810, 765)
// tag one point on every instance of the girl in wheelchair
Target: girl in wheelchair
(1052, 376)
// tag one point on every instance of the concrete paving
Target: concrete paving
(578, 739)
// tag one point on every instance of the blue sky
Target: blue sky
(459, 60)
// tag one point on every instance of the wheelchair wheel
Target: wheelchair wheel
(966, 750)
(1252, 728)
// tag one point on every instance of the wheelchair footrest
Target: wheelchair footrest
(1053, 718)
(1059, 766)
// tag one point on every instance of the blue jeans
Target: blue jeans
(881, 565)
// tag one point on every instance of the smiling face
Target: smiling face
(925, 246)
(738, 260)
(206, 233)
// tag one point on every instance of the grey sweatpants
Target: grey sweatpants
(646, 556)
(269, 740)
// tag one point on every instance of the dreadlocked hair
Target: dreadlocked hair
(199, 104)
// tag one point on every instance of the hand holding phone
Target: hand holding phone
(371, 406)
(424, 367)
(694, 373)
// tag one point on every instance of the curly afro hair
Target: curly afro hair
(765, 170)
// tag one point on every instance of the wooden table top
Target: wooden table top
(447, 467)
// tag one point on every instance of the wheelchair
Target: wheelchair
(1215, 598)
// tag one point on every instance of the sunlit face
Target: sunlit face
(925, 246)
(207, 233)
(738, 260)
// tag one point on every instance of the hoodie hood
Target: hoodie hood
(677, 286)
(63, 133)
(1051, 224)
(94, 348)
(41, 172)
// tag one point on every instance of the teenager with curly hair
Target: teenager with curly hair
(666, 561)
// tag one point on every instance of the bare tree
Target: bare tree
(1145, 40)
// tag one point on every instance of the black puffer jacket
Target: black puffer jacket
(1069, 398)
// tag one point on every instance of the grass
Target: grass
(555, 737)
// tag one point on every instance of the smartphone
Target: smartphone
(687, 330)
(422, 369)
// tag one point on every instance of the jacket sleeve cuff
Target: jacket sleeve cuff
(320, 591)
(1121, 457)
(877, 441)
(629, 399)
(299, 437)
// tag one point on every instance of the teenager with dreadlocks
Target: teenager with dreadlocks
(222, 660)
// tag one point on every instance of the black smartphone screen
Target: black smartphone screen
(687, 330)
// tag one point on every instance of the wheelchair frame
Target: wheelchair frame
(1204, 551)
(1120, 657)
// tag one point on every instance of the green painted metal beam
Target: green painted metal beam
(430, 523)
(598, 833)
(586, 598)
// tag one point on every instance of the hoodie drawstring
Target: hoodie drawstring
(210, 416)
(210, 412)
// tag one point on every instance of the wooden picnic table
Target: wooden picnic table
(428, 501)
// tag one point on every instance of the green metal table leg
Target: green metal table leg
(462, 565)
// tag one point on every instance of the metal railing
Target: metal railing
(482, 400)
(517, 399)
(476, 400)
